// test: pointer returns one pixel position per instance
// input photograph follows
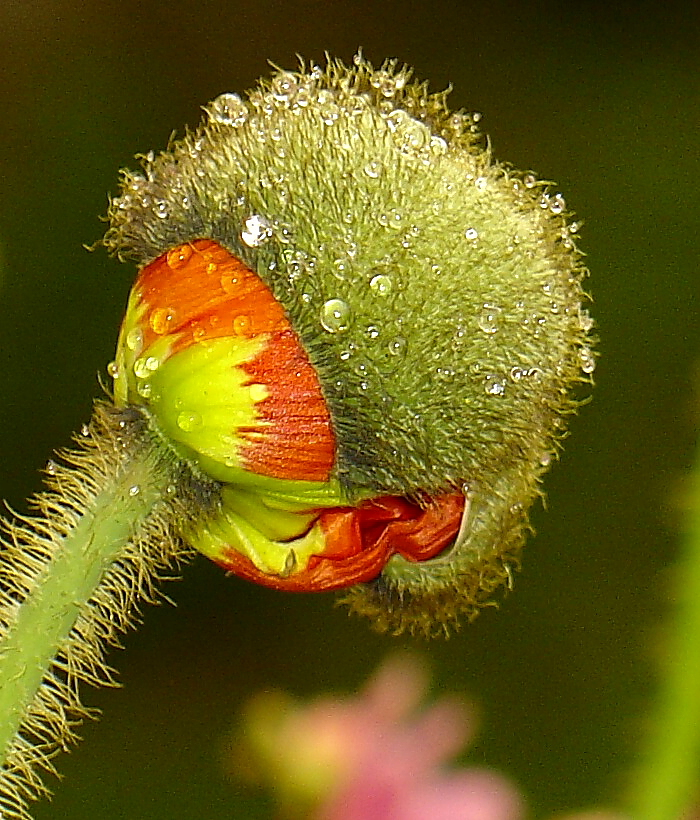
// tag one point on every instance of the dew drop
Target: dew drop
(557, 204)
(256, 231)
(161, 320)
(113, 370)
(51, 467)
(480, 183)
(134, 339)
(161, 209)
(445, 373)
(335, 315)
(494, 386)
(144, 389)
(372, 331)
(141, 370)
(134, 490)
(529, 180)
(584, 319)
(258, 392)
(546, 459)
(373, 169)
(284, 87)
(177, 257)
(381, 284)
(471, 233)
(489, 319)
(84, 431)
(242, 324)
(398, 346)
(229, 283)
(228, 109)
(587, 360)
(189, 420)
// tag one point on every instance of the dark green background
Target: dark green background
(601, 100)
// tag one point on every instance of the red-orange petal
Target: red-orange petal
(198, 292)
(360, 540)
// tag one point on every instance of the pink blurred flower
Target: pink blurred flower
(375, 756)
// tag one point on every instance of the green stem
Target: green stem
(669, 779)
(71, 577)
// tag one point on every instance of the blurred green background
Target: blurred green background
(604, 101)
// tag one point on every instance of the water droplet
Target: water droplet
(489, 319)
(445, 373)
(242, 324)
(437, 145)
(373, 169)
(84, 431)
(258, 392)
(585, 321)
(113, 370)
(546, 459)
(480, 183)
(51, 467)
(189, 420)
(494, 386)
(574, 227)
(144, 389)
(372, 331)
(587, 360)
(340, 268)
(381, 284)
(161, 209)
(529, 180)
(335, 315)
(284, 86)
(161, 320)
(177, 257)
(228, 109)
(140, 369)
(398, 346)
(471, 233)
(385, 83)
(557, 204)
(134, 339)
(394, 219)
(134, 490)
(257, 230)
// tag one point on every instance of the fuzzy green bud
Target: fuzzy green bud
(436, 293)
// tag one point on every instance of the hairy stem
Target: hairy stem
(71, 577)
(669, 779)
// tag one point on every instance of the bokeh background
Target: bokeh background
(603, 100)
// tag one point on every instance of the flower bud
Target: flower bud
(363, 328)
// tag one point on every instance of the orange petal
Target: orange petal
(361, 540)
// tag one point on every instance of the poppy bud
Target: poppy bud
(360, 326)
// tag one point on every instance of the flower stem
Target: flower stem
(71, 577)
(669, 778)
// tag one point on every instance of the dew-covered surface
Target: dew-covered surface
(602, 105)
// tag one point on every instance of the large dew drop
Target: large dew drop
(335, 315)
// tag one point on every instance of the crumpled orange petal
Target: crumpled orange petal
(360, 540)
